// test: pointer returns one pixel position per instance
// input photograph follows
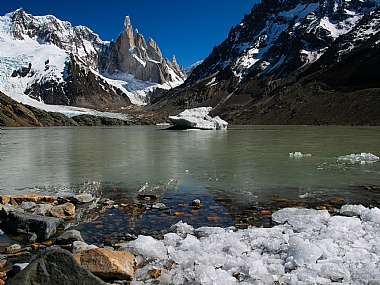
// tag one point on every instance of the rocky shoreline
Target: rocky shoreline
(39, 245)
(41, 236)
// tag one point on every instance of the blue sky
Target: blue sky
(186, 28)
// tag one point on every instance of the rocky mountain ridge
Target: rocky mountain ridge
(290, 62)
(49, 60)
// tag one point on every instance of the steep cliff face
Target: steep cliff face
(290, 62)
(133, 55)
(51, 61)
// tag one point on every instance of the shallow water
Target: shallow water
(242, 162)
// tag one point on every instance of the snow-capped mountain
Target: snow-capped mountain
(45, 59)
(281, 49)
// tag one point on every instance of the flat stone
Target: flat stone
(22, 222)
(68, 237)
(4, 199)
(42, 209)
(55, 266)
(65, 211)
(81, 198)
(107, 263)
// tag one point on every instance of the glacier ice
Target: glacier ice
(306, 247)
(198, 118)
(362, 158)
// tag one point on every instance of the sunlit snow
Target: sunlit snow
(49, 61)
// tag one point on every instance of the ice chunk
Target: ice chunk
(361, 158)
(353, 210)
(198, 118)
(298, 154)
(182, 229)
(334, 272)
(302, 219)
(146, 246)
(372, 215)
(303, 252)
(210, 275)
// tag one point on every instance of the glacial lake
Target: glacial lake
(243, 163)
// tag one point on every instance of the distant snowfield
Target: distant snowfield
(307, 247)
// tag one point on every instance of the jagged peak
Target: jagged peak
(127, 24)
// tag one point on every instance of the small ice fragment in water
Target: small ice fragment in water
(298, 154)
(362, 158)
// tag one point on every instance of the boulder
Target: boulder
(107, 263)
(68, 237)
(55, 266)
(23, 222)
(65, 211)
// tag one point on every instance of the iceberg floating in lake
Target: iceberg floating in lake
(361, 158)
(198, 118)
(298, 154)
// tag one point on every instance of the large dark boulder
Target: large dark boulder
(27, 223)
(55, 266)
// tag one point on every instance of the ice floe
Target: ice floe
(198, 118)
(298, 154)
(362, 158)
(306, 247)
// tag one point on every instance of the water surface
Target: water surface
(243, 162)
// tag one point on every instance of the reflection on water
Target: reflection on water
(244, 162)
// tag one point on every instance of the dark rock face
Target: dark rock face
(283, 66)
(14, 114)
(27, 223)
(82, 88)
(55, 266)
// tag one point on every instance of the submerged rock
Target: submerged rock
(198, 118)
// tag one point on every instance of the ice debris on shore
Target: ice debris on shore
(198, 118)
(307, 247)
(362, 158)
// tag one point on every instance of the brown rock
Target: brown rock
(14, 248)
(4, 199)
(266, 212)
(65, 211)
(155, 273)
(107, 263)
